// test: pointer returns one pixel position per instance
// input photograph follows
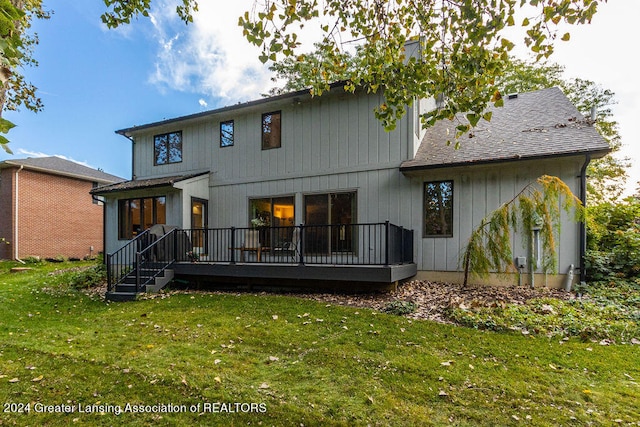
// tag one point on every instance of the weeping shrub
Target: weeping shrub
(537, 204)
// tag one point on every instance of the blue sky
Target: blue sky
(94, 81)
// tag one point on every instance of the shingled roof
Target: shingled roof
(137, 184)
(531, 125)
(59, 166)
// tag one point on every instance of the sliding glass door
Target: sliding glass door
(328, 218)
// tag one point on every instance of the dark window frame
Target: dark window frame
(230, 140)
(446, 215)
(335, 239)
(125, 224)
(167, 143)
(269, 137)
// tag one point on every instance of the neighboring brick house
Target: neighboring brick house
(46, 209)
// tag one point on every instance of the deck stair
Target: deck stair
(143, 265)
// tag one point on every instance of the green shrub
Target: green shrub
(400, 308)
(613, 240)
(609, 310)
(92, 276)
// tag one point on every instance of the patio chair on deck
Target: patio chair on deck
(251, 244)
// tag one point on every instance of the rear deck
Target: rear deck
(346, 257)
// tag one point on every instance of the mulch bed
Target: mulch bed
(432, 299)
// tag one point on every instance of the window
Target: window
(226, 133)
(438, 209)
(167, 148)
(136, 215)
(271, 130)
(277, 213)
(272, 211)
(338, 212)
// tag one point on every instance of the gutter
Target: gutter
(583, 226)
(514, 158)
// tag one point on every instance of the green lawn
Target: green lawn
(267, 360)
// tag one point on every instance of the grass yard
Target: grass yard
(244, 359)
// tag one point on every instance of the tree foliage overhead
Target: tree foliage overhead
(462, 44)
(16, 44)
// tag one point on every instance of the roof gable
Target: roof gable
(530, 125)
(59, 166)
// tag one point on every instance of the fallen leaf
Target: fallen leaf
(217, 379)
(275, 317)
(14, 380)
(442, 393)
(264, 386)
(38, 378)
(273, 359)
(215, 362)
(447, 363)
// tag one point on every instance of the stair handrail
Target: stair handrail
(120, 263)
(147, 259)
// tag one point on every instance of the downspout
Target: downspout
(104, 226)
(133, 148)
(583, 226)
(15, 221)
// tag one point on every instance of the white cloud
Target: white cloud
(209, 56)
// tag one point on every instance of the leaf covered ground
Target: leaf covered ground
(302, 361)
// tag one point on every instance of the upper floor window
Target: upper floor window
(271, 130)
(226, 133)
(167, 148)
(438, 209)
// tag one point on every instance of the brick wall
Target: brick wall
(6, 211)
(57, 217)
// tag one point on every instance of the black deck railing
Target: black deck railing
(344, 244)
(147, 256)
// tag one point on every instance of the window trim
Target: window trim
(155, 152)
(263, 134)
(154, 214)
(233, 131)
(424, 209)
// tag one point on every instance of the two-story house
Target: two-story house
(331, 194)
(46, 209)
